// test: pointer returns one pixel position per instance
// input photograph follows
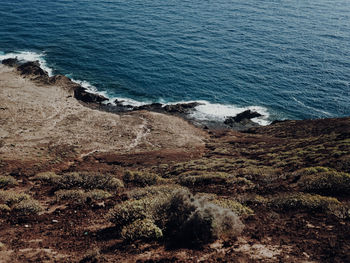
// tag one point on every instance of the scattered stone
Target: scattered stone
(54, 221)
(26, 226)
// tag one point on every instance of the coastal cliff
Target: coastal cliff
(65, 165)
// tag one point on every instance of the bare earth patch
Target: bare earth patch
(37, 120)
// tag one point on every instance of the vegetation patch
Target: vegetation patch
(143, 230)
(324, 180)
(19, 203)
(84, 180)
(6, 181)
(233, 205)
(80, 196)
(27, 207)
(195, 178)
(181, 217)
(309, 202)
(155, 190)
(140, 178)
(47, 177)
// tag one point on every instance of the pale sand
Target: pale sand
(37, 120)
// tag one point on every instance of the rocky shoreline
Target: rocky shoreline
(241, 121)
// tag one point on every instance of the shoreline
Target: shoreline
(202, 114)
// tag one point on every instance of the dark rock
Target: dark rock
(150, 107)
(182, 108)
(242, 117)
(242, 120)
(277, 121)
(32, 68)
(80, 93)
(11, 62)
(248, 114)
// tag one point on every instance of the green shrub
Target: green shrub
(140, 178)
(73, 196)
(28, 207)
(205, 178)
(144, 230)
(156, 190)
(87, 181)
(191, 220)
(7, 181)
(47, 177)
(181, 217)
(233, 205)
(80, 196)
(10, 197)
(325, 181)
(4, 208)
(252, 199)
(98, 194)
(309, 202)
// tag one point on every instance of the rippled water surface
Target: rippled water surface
(290, 58)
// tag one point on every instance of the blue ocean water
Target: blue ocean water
(289, 59)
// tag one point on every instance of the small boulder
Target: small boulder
(248, 114)
(181, 108)
(32, 68)
(80, 93)
(11, 62)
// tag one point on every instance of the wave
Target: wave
(312, 108)
(25, 56)
(206, 111)
(219, 112)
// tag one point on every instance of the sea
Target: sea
(287, 59)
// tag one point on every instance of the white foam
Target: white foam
(25, 56)
(205, 112)
(312, 108)
(219, 112)
(128, 101)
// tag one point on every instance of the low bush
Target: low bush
(7, 181)
(144, 230)
(156, 190)
(129, 211)
(181, 217)
(233, 205)
(4, 208)
(324, 180)
(309, 202)
(80, 196)
(204, 178)
(194, 221)
(10, 197)
(20, 203)
(47, 177)
(84, 180)
(27, 207)
(98, 194)
(140, 178)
